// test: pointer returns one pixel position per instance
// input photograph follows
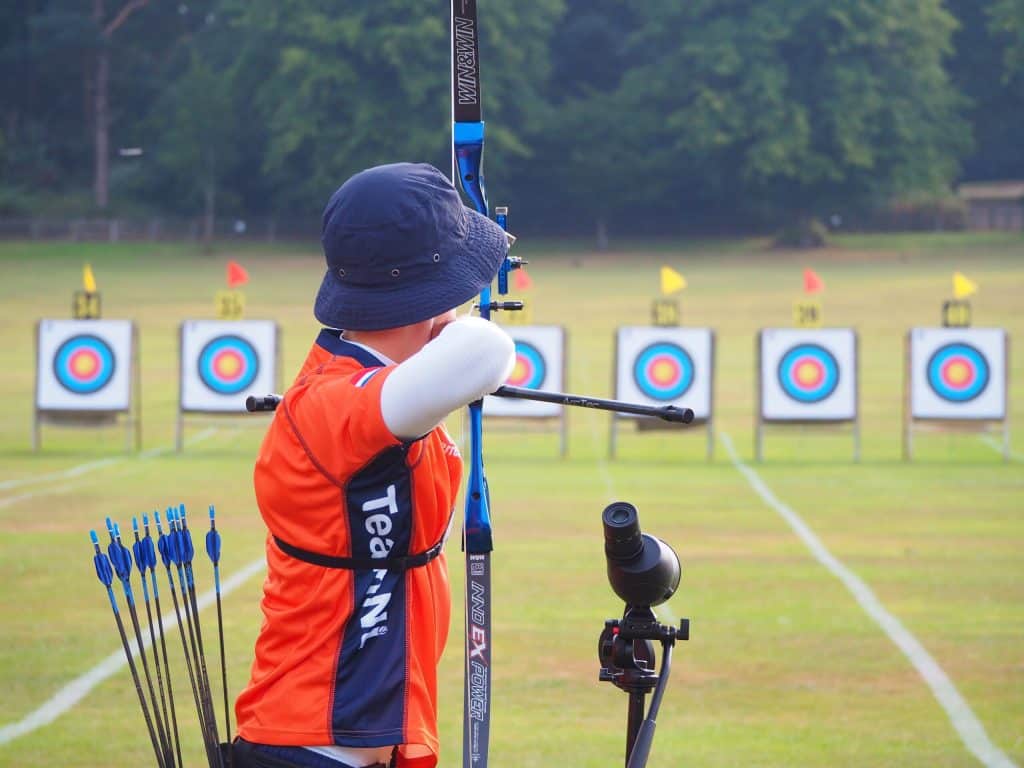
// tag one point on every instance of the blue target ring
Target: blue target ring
(958, 372)
(228, 364)
(808, 373)
(530, 368)
(664, 371)
(84, 364)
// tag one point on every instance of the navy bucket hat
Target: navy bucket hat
(401, 247)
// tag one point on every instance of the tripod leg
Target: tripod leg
(636, 719)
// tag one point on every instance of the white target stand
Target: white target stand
(541, 352)
(662, 366)
(87, 375)
(221, 362)
(808, 378)
(956, 380)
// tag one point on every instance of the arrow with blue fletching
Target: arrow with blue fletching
(105, 573)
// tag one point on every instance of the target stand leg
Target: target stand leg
(563, 442)
(612, 434)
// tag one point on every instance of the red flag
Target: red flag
(236, 275)
(813, 283)
(521, 280)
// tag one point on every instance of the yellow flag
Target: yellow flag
(963, 286)
(88, 279)
(671, 281)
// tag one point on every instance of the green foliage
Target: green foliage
(1008, 21)
(996, 109)
(342, 88)
(708, 113)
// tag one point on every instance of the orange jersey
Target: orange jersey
(348, 656)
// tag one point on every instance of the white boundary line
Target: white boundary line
(967, 725)
(997, 446)
(81, 469)
(77, 689)
(603, 467)
(70, 472)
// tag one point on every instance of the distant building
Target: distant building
(994, 204)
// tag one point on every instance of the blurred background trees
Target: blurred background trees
(658, 117)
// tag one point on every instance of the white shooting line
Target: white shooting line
(72, 693)
(968, 727)
(81, 476)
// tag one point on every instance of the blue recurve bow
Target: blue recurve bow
(468, 148)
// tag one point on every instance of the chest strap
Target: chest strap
(403, 563)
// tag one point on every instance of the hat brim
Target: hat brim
(465, 267)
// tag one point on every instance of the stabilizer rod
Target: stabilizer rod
(666, 412)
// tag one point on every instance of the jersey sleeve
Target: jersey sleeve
(338, 421)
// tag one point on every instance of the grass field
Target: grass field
(784, 667)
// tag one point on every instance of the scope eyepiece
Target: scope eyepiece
(622, 537)
(642, 569)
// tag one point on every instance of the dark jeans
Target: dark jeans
(245, 754)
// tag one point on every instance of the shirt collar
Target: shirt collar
(332, 341)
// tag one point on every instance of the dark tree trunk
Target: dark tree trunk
(101, 115)
(101, 95)
(209, 214)
(101, 106)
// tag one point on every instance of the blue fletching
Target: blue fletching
(213, 538)
(164, 545)
(121, 558)
(148, 553)
(187, 550)
(213, 545)
(175, 536)
(140, 558)
(103, 570)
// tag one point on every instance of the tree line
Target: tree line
(663, 116)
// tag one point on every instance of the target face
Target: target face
(663, 371)
(529, 370)
(808, 373)
(539, 363)
(223, 362)
(84, 365)
(228, 365)
(665, 366)
(958, 373)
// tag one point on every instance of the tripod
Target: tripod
(626, 652)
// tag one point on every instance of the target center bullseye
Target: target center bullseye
(957, 373)
(229, 365)
(84, 364)
(809, 373)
